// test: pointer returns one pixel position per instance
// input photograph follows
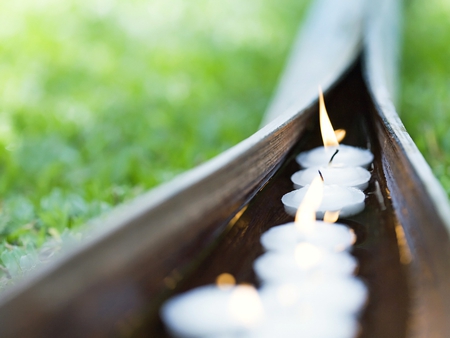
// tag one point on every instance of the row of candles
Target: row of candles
(308, 287)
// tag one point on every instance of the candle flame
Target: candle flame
(307, 255)
(245, 305)
(331, 216)
(354, 236)
(340, 134)
(328, 134)
(306, 213)
(225, 281)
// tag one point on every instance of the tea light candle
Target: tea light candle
(347, 156)
(349, 201)
(284, 238)
(211, 311)
(318, 306)
(308, 322)
(307, 259)
(332, 294)
(355, 177)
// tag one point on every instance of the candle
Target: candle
(212, 311)
(347, 156)
(317, 306)
(322, 156)
(349, 201)
(355, 177)
(308, 322)
(332, 294)
(284, 238)
(307, 259)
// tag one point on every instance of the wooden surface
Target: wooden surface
(420, 203)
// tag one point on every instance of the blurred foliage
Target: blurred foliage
(425, 100)
(103, 99)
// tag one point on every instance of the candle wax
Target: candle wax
(347, 156)
(308, 323)
(284, 238)
(349, 201)
(284, 267)
(355, 177)
(331, 294)
(206, 311)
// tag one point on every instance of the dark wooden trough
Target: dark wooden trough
(209, 221)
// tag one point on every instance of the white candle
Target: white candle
(318, 306)
(212, 311)
(284, 238)
(347, 156)
(349, 201)
(307, 259)
(308, 322)
(355, 177)
(331, 294)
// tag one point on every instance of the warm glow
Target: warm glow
(307, 255)
(328, 135)
(340, 134)
(405, 253)
(354, 236)
(306, 213)
(225, 281)
(331, 216)
(245, 305)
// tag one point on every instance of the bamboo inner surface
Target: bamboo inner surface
(376, 248)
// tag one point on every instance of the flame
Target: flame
(306, 213)
(354, 236)
(328, 135)
(307, 255)
(331, 216)
(245, 305)
(340, 134)
(225, 281)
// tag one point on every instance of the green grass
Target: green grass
(425, 100)
(102, 100)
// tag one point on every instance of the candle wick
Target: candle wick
(320, 175)
(332, 157)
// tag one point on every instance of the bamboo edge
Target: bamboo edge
(429, 270)
(381, 44)
(332, 28)
(135, 227)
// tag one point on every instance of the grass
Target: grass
(425, 100)
(101, 100)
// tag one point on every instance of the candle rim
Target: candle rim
(304, 160)
(364, 177)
